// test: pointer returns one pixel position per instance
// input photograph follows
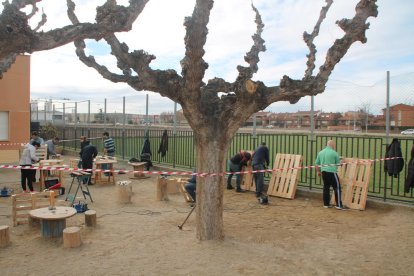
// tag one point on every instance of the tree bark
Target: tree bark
(211, 158)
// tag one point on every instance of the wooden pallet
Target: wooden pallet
(284, 179)
(354, 177)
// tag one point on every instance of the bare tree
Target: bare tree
(18, 37)
(216, 119)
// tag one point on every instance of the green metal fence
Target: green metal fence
(181, 152)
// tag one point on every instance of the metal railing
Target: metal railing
(181, 152)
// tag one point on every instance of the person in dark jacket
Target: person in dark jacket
(409, 181)
(394, 166)
(236, 164)
(88, 153)
(260, 162)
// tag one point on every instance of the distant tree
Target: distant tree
(364, 115)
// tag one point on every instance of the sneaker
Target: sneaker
(240, 190)
(229, 187)
(327, 206)
(340, 208)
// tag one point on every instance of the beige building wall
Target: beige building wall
(15, 100)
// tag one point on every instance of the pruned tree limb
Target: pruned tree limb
(110, 18)
(308, 38)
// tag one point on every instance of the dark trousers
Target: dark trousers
(27, 177)
(331, 179)
(234, 168)
(190, 187)
(259, 179)
(87, 164)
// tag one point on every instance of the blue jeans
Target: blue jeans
(234, 168)
(106, 166)
(259, 179)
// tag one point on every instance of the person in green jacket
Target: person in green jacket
(328, 156)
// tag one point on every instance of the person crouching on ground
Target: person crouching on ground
(328, 156)
(190, 187)
(236, 164)
(28, 157)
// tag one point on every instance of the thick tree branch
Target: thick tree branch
(354, 31)
(110, 18)
(193, 66)
(252, 57)
(308, 38)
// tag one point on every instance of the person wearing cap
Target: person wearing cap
(236, 164)
(28, 157)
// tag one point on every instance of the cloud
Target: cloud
(160, 31)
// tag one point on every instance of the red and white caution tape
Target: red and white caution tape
(200, 174)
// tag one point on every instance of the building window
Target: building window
(4, 125)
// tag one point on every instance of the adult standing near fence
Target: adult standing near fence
(36, 138)
(28, 157)
(109, 148)
(51, 146)
(236, 164)
(260, 162)
(326, 162)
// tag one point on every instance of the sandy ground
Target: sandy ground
(286, 237)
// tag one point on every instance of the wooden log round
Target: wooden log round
(90, 218)
(71, 237)
(4, 235)
(124, 193)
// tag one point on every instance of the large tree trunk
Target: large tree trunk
(211, 158)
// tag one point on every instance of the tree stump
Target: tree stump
(124, 191)
(162, 189)
(90, 218)
(4, 235)
(71, 237)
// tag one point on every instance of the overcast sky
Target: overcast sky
(359, 78)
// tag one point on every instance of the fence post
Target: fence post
(123, 128)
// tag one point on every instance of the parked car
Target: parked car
(408, 132)
(269, 126)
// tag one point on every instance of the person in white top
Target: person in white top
(28, 157)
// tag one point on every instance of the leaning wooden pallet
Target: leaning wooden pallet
(284, 180)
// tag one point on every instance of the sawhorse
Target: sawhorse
(82, 179)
